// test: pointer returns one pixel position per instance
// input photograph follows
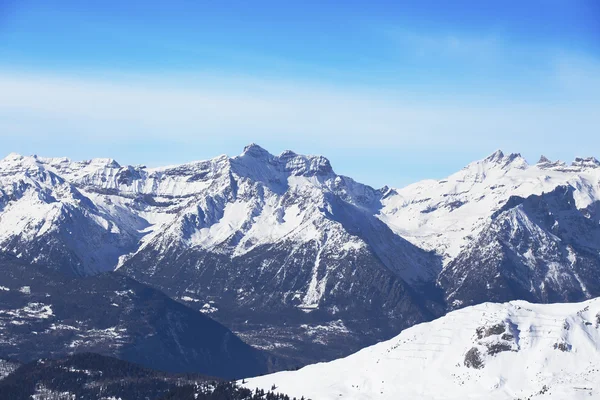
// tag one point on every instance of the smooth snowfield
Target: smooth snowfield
(526, 351)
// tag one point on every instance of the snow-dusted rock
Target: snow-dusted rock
(514, 350)
(278, 245)
(540, 248)
(445, 215)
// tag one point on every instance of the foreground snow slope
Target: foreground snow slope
(490, 351)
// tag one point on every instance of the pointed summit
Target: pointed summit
(254, 150)
(497, 156)
(544, 160)
(545, 163)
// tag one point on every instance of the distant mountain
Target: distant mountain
(287, 253)
(299, 260)
(44, 315)
(46, 220)
(279, 248)
(506, 351)
(445, 215)
(540, 248)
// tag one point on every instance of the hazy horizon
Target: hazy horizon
(390, 93)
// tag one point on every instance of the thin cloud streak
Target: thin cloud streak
(213, 112)
(275, 108)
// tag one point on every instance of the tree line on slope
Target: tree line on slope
(89, 376)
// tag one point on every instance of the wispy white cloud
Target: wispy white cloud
(210, 111)
(445, 43)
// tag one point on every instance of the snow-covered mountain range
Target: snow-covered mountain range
(515, 350)
(305, 262)
(445, 215)
(541, 248)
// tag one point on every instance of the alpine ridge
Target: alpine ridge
(301, 261)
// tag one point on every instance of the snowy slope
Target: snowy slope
(284, 241)
(284, 197)
(299, 259)
(490, 351)
(444, 215)
(259, 241)
(541, 248)
(46, 220)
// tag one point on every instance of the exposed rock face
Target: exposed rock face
(300, 260)
(279, 248)
(43, 315)
(446, 215)
(541, 248)
(473, 359)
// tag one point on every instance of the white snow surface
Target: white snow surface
(444, 215)
(258, 198)
(228, 205)
(551, 351)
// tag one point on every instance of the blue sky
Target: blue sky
(391, 92)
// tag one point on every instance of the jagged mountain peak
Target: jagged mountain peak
(500, 159)
(496, 156)
(543, 160)
(56, 161)
(17, 170)
(287, 154)
(108, 162)
(255, 150)
(444, 215)
(547, 164)
(277, 172)
(586, 162)
(99, 161)
(489, 169)
(580, 164)
(16, 160)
